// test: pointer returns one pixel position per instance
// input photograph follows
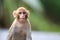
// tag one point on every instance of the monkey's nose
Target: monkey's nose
(22, 16)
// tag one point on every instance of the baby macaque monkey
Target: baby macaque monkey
(21, 28)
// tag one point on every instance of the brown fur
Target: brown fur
(20, 29)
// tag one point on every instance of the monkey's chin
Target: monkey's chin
(22, 20)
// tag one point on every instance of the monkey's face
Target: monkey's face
(22, 15)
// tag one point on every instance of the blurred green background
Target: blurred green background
(44, 14)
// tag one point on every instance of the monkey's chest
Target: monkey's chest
(20, 34)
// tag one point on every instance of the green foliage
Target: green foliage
(37, 17)
(52, 8)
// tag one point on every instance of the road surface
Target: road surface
(36, 35)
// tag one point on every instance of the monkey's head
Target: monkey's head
(21, 14)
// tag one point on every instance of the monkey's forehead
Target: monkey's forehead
(22, 10)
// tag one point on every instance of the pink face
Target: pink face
(22, 14)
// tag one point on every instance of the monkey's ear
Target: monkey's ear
(14, 13)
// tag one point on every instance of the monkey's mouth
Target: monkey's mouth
(22, 18)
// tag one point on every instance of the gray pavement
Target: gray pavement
(36, 35)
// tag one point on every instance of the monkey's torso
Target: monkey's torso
(19, 35)
(19, 32)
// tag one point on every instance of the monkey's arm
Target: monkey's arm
(10, 33)
(29, 37)
(30, 34)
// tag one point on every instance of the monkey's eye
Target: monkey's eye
(24, 12)
(19, 12)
